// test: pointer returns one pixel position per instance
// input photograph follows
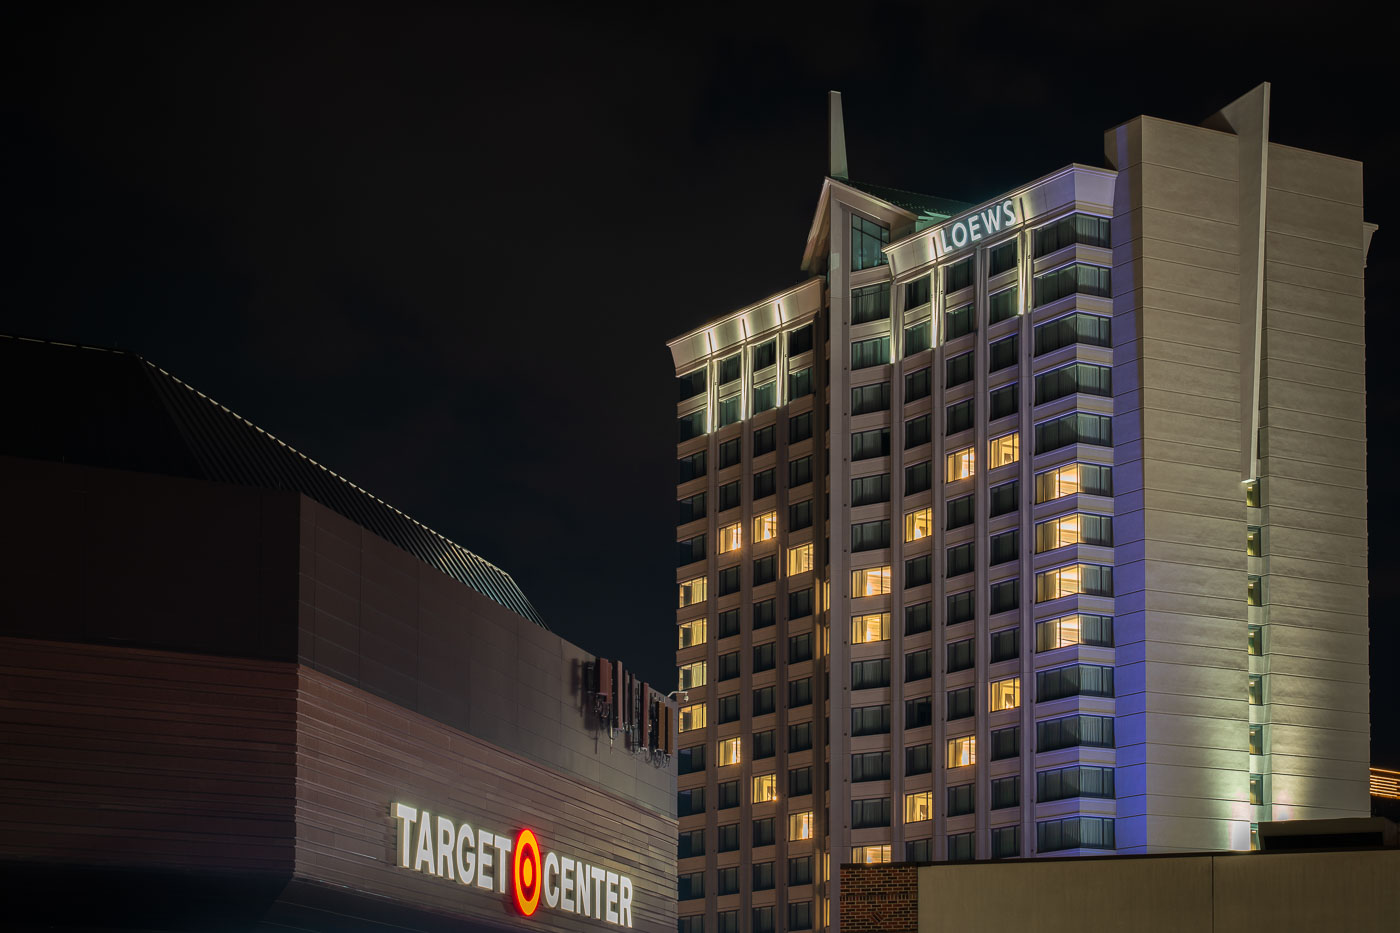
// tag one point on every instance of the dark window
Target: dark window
(918, 571)
(690, 844)
(799, 427)
(799, 736)
(868, 490)
(871, 303)
(1001, 258)
(763, 484)
(870, 720)
(918, 712)
(727, 839)
(1084, 378)
(1001, 306)
(960, 607)
(690, 385)
(730, 368)
(870, 536)
(959, 322)
(961, 703)
(727, 881)
(690, 550)
(765, 398)
(917, 431)
(1006, 792)
(1006, 743)
(765, 355)
(959, 559)
(961, 800)
(728, 666)
(763, 876)
(1003, 353)
(800, 383)
(800, 779)
(918, 618)
(917, 384)
(915, 850)
(763, 702)
(866, 399)
(1073, 228)
(918, 337)
(763, 744)
(729, 496)
(799, 471)
(1070, 731)
(1006, 644)
(728, 796)
(1074, 680)
(872, 812)
(1076, 781)
(1091, 329)
(960, 512)
(799, 692)
(765, 440)
(799, 915)
(960, 847)
(1077, 427)
(866, 239)
(764, 657)
(957, 276)
(689, 468)
(800, 870)
(729, 410)
(957, 370)
(868, 444)
(727, 708)
(728, 581)
(763, 831)
(962, 655)
(800, 340)
(1005, 546)
(690, 885)
(691, 425)
(874, 672)
(918, 665)
(728, 623)
(870, 766)
(762, 920)
(958, 417)
(917, 292)
(799, 647)
(731, 452)
(690, 801)
(690, 760)
(1006, 841)
(1004, 400)
(872, 352)
(800, 603)
(918, 759)
(918, 477)
(1005, 498)
(763, 614)
(1077, 278)
(1077, 832)
(1005, 595)
(800, 515)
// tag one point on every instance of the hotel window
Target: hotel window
(765, 788)
(1085, 229)
(765, 397)
(1075, 528)
(1082, 378)
(764, 484)
(1074, 781)
(870, 536)
(691, 760)
(1077, 427)
(1256, 640)
(692, 675)
(871, 303)
(871, 581)
(1001, 258)
(1254, 541)
(1256, 690)
(727, 709)
(731, 537)
(799, 427)
(1006, 841)
(799, 559)
(727, 667)
(868, 444)
(962, 800)
(870, 398)
(915, 850)
(730, 495)
(1005, 547)
(1089, 329)
(800, 870)
(800, 603)
(1074, 478)
(691, 717)
(918, 337)
(799, 693)
(960, 607)
(1006, 743)
(870, 720)
(960, 512)
(918, 759)
(690, 802)
(961, 464)
(730, 369)
(1003, 354)
(918, 807)
(799, 340)
(872, 352)
(1256, 739)
(799, 647)
(918, 524)
(690, 550)
(800, 914)
(1077, 629)
(957, 418)
(961, 655)
(870, 813)
(800, 515)
(1006, 792)
(763, 876)
(765, 527)
(1254, 837)
(1072, 731)
(799, 383)
(765, 354)
(957, 275)
(764, 570)
(763, 745)
(870, 766)
(918, 618)
(799, 472)
(799, 740)
(730, 410)
(1251, 494)
(1074, 580)
(869, 490)
(1004, 498)
(730, 751)
(918, 712)
(800, 825)
(960, 847)
(917, 431)
(727, 881)
(763, 698)
(731, 452)
(765, 440)
(764, 614)
(692, 592)
(867, 238)
(918, 477)
(728, 581)
(876, 854)
(690, 844)
(1254, 590)
(870, 627)
(691, 425)
(869, 674)
(960, 703)
(763, 831)
(691, 633)
(1004, 401)
(959, 322)
(1006, 644)
(1003, 450)
(1001, 306)
(1077, 278)
(728, 623)
(728, 796)
(689, 468)
(918, 384)
(690, 385)
(1006, 694)
(727, 838)
(962, 751)
(918, 665)
(959, 559)
(1077, 832)
(917, 292)
(918, 571)
(1074, 680)
(957, 370)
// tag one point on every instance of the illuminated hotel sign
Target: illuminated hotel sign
(479, 858)
(974, 227)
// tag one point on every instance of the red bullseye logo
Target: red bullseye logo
(528, 874)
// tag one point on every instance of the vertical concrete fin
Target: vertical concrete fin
(1248, 118)
(836, 127)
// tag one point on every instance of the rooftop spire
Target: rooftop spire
(836, 126)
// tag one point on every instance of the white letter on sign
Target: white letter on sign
(406, 816)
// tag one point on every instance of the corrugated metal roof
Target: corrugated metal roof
(95, 400)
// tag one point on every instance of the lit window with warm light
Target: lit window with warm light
(730, 751)
(731, 537)
(961, 464)
(691, 717)
(1073, 580)
(962, 751)
(1070, 479)
(692, 675)
(872, 581)
(800, 825)
(918, 807)
(1006, 694)
(1075, 528)
(691, 633)
(799, 559)
(765, 527)
(692, 592)
(918, 524)
(765, 788)
(1003, 450)
(871, 855)
(870, 627)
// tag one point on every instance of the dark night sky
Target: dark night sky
(441, 251)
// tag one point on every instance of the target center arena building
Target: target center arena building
(239, 692)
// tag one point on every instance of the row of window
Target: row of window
(1078, 327)
(730, 368)
(1057, 582)
(799, 872)
(1075, 427)
(799, 917)
(729, 410)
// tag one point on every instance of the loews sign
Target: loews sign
(974, 227)
(476, 857)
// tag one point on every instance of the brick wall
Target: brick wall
(879, 898)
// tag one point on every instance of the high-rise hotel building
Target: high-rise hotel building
(1030, 526)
